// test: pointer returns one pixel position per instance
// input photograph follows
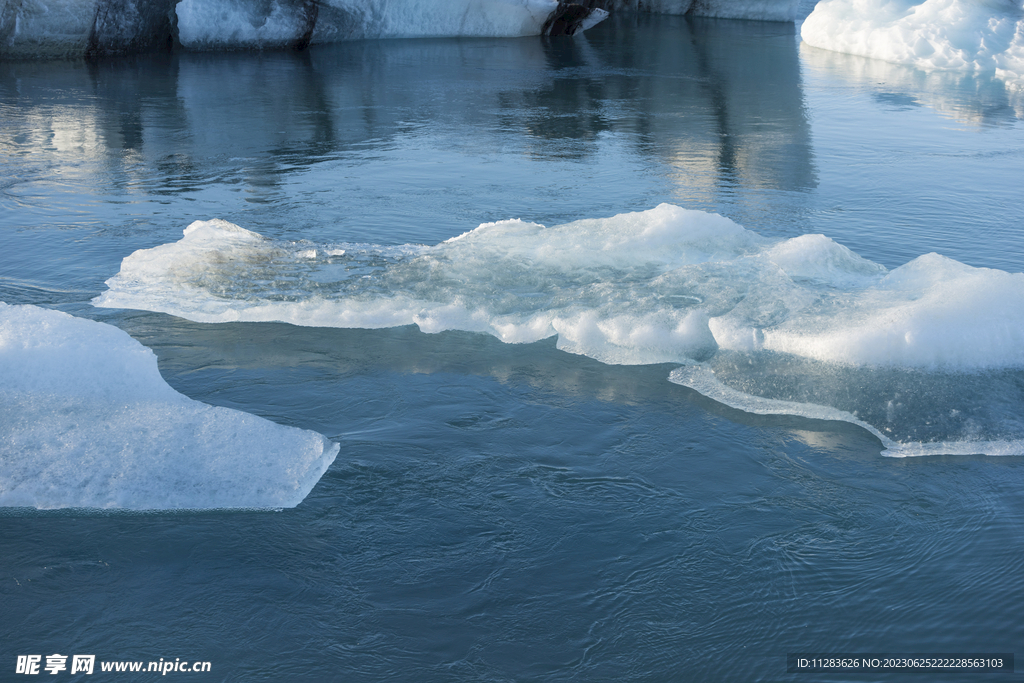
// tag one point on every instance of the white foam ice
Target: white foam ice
(966, 35)
(87, 421)
(664, 285)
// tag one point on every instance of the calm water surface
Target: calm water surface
(511, 512)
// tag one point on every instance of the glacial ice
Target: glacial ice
(86, 421)
(664, 285)
(963, 35)
(203, 24)
(73, 28)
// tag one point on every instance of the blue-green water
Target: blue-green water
(512, 511)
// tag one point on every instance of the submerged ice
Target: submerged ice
(802, 321)
(86, 420)
(962, 35)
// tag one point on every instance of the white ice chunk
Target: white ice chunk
(516, 280)
(667, 284)
(816, 257)
(933, 312)
(86, 420)
(962, 35)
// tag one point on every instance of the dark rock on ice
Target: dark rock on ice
(571, 17)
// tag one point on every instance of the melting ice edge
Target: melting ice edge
(929, 356)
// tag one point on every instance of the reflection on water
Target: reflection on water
(706, 106)
(970, 98)
(719, 104)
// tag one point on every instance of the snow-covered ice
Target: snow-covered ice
(966, 35)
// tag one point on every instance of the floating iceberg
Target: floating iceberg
(914, 352)
(87, 421)
(966, 35)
